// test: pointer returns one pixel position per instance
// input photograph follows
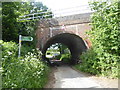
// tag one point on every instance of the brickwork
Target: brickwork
(75, 24)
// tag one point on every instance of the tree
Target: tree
(9, 20)
(104, 56)
(11, 12)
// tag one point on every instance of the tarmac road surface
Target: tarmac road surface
(66, 77)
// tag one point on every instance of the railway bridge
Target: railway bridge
(68, 30)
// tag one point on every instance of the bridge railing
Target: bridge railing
(57, 13)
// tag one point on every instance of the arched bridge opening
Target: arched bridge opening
(74, 43)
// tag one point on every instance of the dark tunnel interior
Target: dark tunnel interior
(75, 44)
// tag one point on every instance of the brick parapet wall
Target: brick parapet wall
(76, 24)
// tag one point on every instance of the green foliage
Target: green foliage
(105, 33)
(24, 72)
(59, 51)
(9, 20)
(25, 49)
(9, 51)
(65, 56)
(12, 27)
(99, 64)
(103, 57)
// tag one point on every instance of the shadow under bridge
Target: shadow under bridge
(74, 43)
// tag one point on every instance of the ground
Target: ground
(67, 77)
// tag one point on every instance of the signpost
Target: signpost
(23, 38)
(26, 38)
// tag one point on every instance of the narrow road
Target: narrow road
(66, 77)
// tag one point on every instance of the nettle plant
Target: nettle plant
(103, 57)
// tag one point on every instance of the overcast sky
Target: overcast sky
(66, 7)
(60, 4)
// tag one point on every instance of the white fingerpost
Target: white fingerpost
(20, 37)
(23, 38)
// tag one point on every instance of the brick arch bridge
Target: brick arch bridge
(75, 24)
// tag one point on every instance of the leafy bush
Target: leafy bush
(24, 72)
(9, 51)
(9, 48)
(12, 26)
(103, 57)
(25, 49)
(65, 57)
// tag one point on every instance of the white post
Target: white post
(20, 36)
(50, 32)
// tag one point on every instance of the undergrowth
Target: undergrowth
(28, 71)
(104, 56)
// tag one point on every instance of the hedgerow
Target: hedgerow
(103, 58)
(24, 72)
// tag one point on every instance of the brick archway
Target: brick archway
(75, 44)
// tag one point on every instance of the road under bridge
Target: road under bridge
(68, 30)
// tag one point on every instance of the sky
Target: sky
(66, 7)
(60, 4)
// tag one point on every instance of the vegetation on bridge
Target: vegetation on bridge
(103, 57)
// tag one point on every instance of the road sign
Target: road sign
(26, 38)
(23, 38)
